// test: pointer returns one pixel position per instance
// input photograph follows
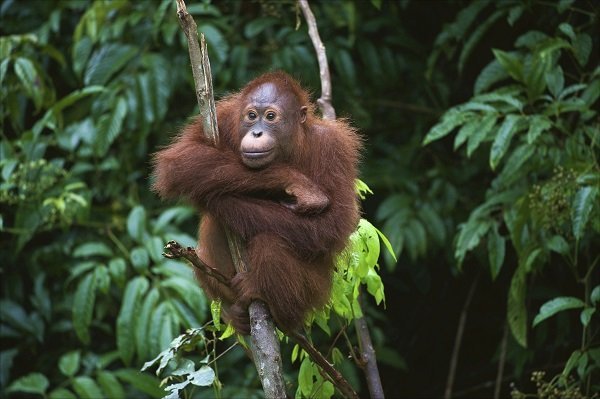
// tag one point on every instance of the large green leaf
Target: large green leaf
(556, 305)
(143, 382)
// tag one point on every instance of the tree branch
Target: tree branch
(265, 345)
(368, 358)
(458, 340)
(325, 100)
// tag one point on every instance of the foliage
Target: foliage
(534, 110)
(89, 90)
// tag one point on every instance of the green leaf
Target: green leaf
(595, 295)
(571, 363)
(511, 63)
(537, 125)
(68, 363)
(35, 383)
(107, 61)
(62, 393)
(583, 203)
(586, 316)
(30, 79)
(496, 252)
(582, 48)
(465, 132)
(556, 305)
(491, 74)
(516, 309)
(469, 236)
(110, 385)
(109, 127)
(202, 377)
(83, 306)
(143, 382)
(92, 249)
(86, 388)
(258, 25)
(81, 53)
(305, 377)
(503, 139)
(136, 223)
(487, 124)
(558, 244)
(567, 29)
(127, 317)
(140, 259)
(451, 120)
(143, 324)
(555, 80)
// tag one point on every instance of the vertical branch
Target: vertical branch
(264, 344)
(200, 72)
(458, 340)
(501, 363)
(325, 100)
(368, 357)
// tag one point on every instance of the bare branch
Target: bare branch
(325, 100)
(458, 340)
(174, 251)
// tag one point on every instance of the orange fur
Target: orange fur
(290, 254)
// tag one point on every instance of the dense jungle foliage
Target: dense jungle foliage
(482, 149)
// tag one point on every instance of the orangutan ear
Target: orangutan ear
(303, 112)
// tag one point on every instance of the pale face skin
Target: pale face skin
(269, 121)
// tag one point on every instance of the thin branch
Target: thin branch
(174, 251)
(368, 360)
(501, 363)
(325, 100)
(265, 345)
(458, 340)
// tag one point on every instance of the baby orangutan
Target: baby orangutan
(282, 179)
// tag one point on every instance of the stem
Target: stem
(458, 340)
(501, 363)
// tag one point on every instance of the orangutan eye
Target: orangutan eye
(270, 116)
(252, 115)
